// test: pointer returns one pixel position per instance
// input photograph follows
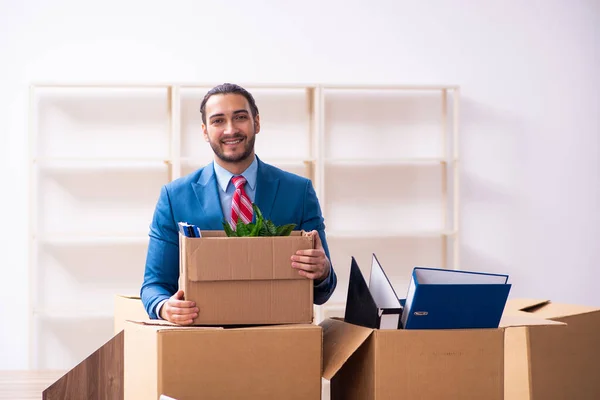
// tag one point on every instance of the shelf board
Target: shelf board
(258, 87)
(70, 315)
(250, 85)
(367, 162)
(83, 239)
(191, 162)
(388, 87)
(291, 162)
(65, 163)
(389, 234)
(108, 86)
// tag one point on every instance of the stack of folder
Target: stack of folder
(189, 230)
(436, 299)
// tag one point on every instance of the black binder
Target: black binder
(375, 305)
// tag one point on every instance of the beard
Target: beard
(248, 149)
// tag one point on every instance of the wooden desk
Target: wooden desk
(26, 385)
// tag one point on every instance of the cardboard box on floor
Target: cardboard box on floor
(364, 363)
(554, 363)
(269, 362)
(128, 308)
(245, 281)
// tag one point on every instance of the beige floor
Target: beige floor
(26, 385)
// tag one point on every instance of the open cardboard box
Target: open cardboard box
(364, 363)
(248, 280)
(553, 363)
(268, 362)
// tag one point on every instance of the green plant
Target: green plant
(262, 227)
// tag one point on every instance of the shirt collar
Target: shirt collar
(224, 176)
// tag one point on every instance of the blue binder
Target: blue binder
(451, 299)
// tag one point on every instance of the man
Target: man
(215, 193)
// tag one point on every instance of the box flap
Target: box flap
(547, 309)
(160, 324)
(522, 319)
(220, 258)
(278, 327)
(127, 308)
(340, 341)
(131, 297)
(523, 304)
(221, 234)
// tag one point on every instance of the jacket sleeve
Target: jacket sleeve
(313, 219)
(161, 272)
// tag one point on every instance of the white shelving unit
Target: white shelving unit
(383, 159)
(98, 155)
(390, 179)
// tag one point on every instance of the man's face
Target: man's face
(230, 128)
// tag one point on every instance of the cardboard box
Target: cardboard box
(269, 362)
(554, 363)
(364, 363)
(245, 281)
(128, 308)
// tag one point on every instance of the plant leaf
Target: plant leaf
(263, 231)
(257, 212)
(271, 228)
(285, 230)
(241, 228)
(261, 227)
(256, 227)
(228, 231)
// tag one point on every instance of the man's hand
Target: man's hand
(179, 311)
(312, 263)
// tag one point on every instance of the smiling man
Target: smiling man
(223, 191)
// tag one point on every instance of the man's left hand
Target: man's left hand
(312, 263)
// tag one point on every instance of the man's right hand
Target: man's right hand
(179, 311)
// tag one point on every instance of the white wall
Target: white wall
(530, 119)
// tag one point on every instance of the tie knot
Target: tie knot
(238, 181)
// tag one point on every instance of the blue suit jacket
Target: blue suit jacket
(281, 196)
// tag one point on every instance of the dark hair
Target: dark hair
(228, 88)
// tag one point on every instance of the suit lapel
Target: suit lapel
(208, 197)
(266, 189)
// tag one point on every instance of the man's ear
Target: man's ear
(256, 124)
(205, 133)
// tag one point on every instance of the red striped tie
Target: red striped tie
(240, 204)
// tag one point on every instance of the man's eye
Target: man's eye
(242, 117)
(217, 121)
